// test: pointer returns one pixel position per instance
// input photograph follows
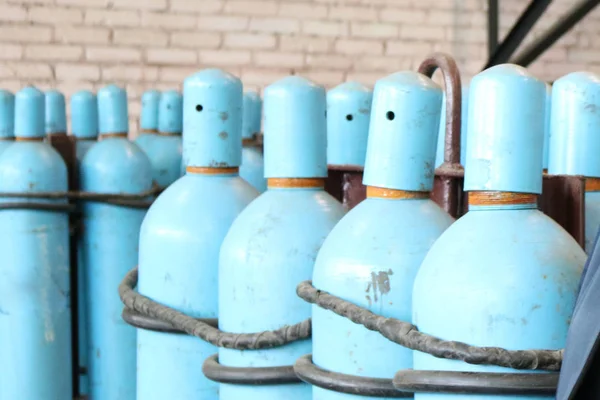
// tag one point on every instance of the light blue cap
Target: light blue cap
(252, 114)
(348, 115)
(56, 114)
(505, 131)
(150, 104)
(84, 115)
(295, 131)
(575, 125)
(547, 126)
(212, 119)
(402, 135)
(112, 110)
(30, 113)
(441, 143)
(7, 114)
(170, 112)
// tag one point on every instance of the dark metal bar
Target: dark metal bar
(492, 27)
(518, 32)
(555, 32)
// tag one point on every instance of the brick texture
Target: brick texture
(139, 44)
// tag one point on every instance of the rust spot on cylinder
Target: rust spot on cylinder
(492, 198)
(592, 184)
(224, 116)
(212, 170)
(295, 182)
(385, 193)
(223, 135)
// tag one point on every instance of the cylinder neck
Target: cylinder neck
(375, 192)
(592, 184)
(490, 200)
(213, 171)
(296, 183)
(112, 135)
(29, 139)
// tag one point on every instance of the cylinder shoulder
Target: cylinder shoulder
(31, 167)
(198, 203)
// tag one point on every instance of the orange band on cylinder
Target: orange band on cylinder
(57, 134)
(384, 193)
(148, 131)
(592, 184)
(113, 135)
(295, 182)
(500, 198)
(7, 139)
(169, 133)
(29, 139)
(212, 171)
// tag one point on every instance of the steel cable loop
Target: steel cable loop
(408, 335)
(194, 327)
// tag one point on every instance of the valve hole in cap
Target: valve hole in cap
(199, 107)
(349, 117)
(390, 115)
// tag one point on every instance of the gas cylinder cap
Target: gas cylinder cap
(170, 112)
(56, 118)
(403, 131)
(348, 114)
(212, 119)
(7, 113)
(295, 129)
(574, 123)
(112, 110)
(505, 131)
(252, 108)
(84, 114)
(149, 113)
(29, 113)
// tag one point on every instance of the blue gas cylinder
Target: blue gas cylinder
(84, 121)
(348, 114)
(110, 246)
(504, 274)
(252, 168)
(574, 143)
(441, 139)
(148, 117)
(84, 128)
(545, 156)
(35, 316)
(56, 113)
(368, 260)
(182, 234)
(7, 119)
(164, 147)
(272, 245)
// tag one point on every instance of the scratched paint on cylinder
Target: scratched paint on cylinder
(272, 245)
(503, 275)
(574, 141)
(366, 259)
(35, 315)
(110, 247)
(182, 234)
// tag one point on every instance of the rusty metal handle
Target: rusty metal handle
(453, 88)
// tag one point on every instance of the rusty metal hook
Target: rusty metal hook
(446, 190)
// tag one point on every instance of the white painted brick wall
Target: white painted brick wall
(139, 44)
